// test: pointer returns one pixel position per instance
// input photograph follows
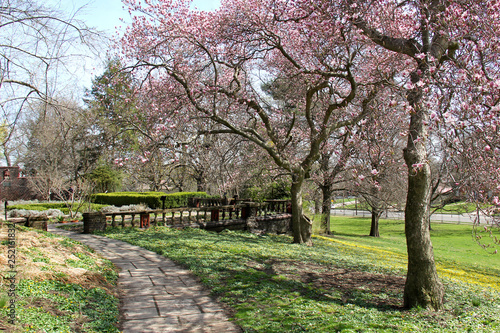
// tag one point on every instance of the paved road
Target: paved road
(157, 295)
(443, 218)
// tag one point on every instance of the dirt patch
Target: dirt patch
(371, 289)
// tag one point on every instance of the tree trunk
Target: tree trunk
(6, 155)
(301, 225)
(374, 227)
(317, 204)
(326, 209)
(422, 287)
(200, 182)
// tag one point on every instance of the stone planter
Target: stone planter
(37, 222)
(93, 222)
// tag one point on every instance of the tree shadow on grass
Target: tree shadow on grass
(324, 283)
(339, 285)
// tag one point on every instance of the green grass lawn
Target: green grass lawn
(454, 208)
(346, 283)
(454, 247)
(459, 208)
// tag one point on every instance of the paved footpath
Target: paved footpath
(156, 294)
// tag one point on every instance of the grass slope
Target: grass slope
(62, 285)
(271, 285)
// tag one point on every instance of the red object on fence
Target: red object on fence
(245, 212)
(215, 215)
(144, 220)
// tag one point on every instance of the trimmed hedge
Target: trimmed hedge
(150, 199)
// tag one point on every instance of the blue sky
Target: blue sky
(106, 14)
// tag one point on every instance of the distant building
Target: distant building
(14, 186)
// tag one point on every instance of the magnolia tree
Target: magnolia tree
(220, 164)
(142, 134)
(335, 155)
(443, 56)
(450, 74)
(378, 167)
(214, 63)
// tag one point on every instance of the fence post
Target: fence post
(214, 215)
(144, 222)
(249, 214)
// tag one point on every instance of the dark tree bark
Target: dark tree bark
(374, 232)
(326, 207)
(302, 226)
(423, 287)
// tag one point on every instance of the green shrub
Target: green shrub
(105, 178)
(151, 199)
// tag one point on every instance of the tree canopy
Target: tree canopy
(287, 75)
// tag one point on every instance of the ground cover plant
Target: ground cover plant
(62, 285)
(53, 205)
(271, 285)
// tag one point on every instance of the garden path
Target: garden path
(156, 295)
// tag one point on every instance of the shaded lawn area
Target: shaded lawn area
(271, 285)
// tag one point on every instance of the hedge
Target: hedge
(150, 199)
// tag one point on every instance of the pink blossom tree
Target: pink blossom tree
(215, 63)
(451, 52)
(379, 170)
(441, 55)
(335, 156)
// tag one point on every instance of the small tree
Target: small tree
(61, 148)
(105, 179)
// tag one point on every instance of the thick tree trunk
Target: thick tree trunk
(374, 226)
(326, 207)
(301, 225)
(423, 287)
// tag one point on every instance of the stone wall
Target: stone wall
(275, 224)
(246, 216)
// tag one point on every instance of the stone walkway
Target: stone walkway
(156, 294)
